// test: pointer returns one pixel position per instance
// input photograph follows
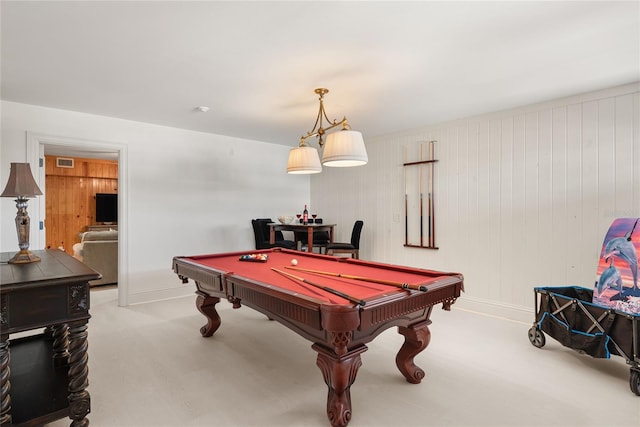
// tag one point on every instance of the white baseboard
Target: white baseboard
(492, 308)
(486, 307)
(161, 294)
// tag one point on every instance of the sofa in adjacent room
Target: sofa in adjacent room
(99, 250)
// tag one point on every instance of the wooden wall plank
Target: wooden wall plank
(575, 148)
(70, 202)
(624, 155)
(584, 242)
(606, 164)
(545, 234)
(507, 224)
(531, 197)
(493, 238)
(559, 195)
(530, 244)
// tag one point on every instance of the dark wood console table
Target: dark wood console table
(44, 376)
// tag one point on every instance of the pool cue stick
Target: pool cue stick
(406, 221)
(364, 279)
(406, 207)
(324, 288)
(430, 191)
(421, 201)
(433, 213)
(428, 203)
(311, 289)
(429, 214)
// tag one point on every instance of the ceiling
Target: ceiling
(389, 66)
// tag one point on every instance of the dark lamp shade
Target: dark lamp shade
(21, 182)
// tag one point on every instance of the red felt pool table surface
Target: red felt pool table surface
(263, 272)
(338, 327)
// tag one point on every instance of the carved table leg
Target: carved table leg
(60, 335)
(5, 384)
(79, 399)
(416, 339)
(339, 373)
(206, 305)
(446, 305)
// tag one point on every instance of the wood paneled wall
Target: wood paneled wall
(524, 197)
(70, 197)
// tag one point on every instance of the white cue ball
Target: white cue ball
(294, 262)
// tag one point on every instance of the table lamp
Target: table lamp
(22, 186)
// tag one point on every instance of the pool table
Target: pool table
(338, 312)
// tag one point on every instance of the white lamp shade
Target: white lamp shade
(304, 160)
(344, 148)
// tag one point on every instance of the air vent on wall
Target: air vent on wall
(63, 162)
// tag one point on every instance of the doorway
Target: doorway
(39, 145)
(81, 196)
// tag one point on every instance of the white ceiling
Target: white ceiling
(390, 66)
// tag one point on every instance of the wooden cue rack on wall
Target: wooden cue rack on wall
(419, 197)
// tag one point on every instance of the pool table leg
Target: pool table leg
(339, 373)
(206, 304)
(416, 339)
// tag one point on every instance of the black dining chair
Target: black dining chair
(261, 233)
(320, 239)
(352, 248)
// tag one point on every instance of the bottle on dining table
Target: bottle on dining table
(305, 215)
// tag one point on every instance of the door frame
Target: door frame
(36, 143)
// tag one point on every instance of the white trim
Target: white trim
(35, 145)
(37, 238)
(495, 309)
(144, 297)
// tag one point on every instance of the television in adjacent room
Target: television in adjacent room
(106, 208)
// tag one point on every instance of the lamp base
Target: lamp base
(24, 257)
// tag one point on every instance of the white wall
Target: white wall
(524, 197)
(187, 192)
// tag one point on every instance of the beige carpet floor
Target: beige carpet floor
(149, 366)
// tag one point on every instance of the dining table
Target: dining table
(299, 227)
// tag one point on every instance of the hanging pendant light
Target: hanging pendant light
(304, 160)
(343, 148)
